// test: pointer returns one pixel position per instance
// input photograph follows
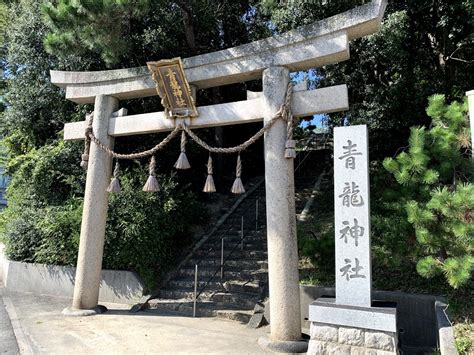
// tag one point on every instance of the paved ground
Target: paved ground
(43, 329)
(8, 344)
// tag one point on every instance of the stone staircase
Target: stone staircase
(243, 283)
(307, 173)
(244, 277)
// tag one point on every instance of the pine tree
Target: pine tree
(434, 176)
(98, 26)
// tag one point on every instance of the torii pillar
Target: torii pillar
(285, 321)
(94, 215)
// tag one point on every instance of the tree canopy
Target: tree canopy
(423, 47)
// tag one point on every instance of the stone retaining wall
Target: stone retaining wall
(331, 339)
(116, 286)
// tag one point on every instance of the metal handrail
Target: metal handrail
(308, 152)
(223, 261)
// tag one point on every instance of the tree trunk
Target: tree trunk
(187, 11)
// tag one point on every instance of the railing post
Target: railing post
(195, 289)
(256, 215)
(242, 234)
(222, 258)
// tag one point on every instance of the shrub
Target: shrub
(434, 189)
(144, 233)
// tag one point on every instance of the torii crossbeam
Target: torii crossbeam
(272, 59)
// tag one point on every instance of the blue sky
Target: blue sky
(313, 78)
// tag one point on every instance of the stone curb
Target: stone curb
(21, 338)
(446, 343)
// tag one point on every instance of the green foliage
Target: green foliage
(464, 334)
(144, 231)
(41, 222)
(129, 33)
(316, 235)
(317, 246)
(422, 48)
(101, 27)
(35, 110)
(42, 195)
(434, 175)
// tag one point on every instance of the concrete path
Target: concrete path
(8, 344)
(46, 330)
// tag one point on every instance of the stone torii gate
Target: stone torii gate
(318, 44)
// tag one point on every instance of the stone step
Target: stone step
(186, 293)
(255, 275)
(260, 254)
(230, 273)
(249, 220)
(233, 245)
(234, 230)
(219, 297)
(244, 286)
(235, 238)
(203, 309)
(240, 262)
(187, 283)
(249, 232)
(230, 244)
(244, 300)
(235, 315)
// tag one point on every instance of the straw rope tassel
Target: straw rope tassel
(87, 143)
(151, 184)
(114, 186)
(290, 143)
(209, 186)
(238, 187)
(182, 162)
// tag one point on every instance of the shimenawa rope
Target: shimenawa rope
(283, 113)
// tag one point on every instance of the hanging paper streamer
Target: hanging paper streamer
(182, 162)
(209, 186)
(114, 186)
(238, 187)
(151, 184)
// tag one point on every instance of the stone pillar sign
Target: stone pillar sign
(470, 100)
(352, 223)
(352, 323)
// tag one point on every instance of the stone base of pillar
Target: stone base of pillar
(72, 312)
(343, 329)
(291, 347)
